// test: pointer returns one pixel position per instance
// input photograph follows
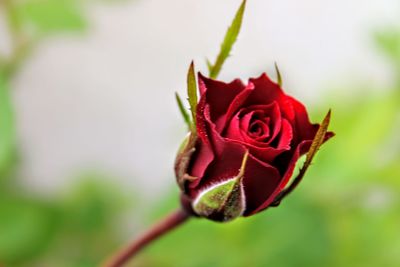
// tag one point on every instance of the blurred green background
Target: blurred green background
(345, 213)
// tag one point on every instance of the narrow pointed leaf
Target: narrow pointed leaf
(318, 140)
(278, 75)
(229, 40)
(192, 92)
(183, 111)
(315, 145)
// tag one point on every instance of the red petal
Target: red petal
(260, 181)
(219, 95)
(202, 157)
(265, 154)
(234, 130)
(236, 104)
(204, 153)
(303, 128)
(276, 121)
(303, 147)
(225, 166)
(300, 150)
(285, 136)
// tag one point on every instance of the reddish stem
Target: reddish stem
(164, 226)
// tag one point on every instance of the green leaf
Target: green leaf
(7, 129)
(52, 16)
(229, 40)
(389, 42)
(89, 213)
(183, 111)
(192, 93)
(27, 227)
(278, 75)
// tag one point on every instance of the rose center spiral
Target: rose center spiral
(259, 128)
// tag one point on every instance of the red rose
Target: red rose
(249, 138)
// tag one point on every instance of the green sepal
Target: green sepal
(229, 40)
(192, 94)
(278, 75)
(224, 201)
(184, 113)
(315, 145)
(182, 161)
(318, 140)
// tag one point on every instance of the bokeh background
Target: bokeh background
(89, 128)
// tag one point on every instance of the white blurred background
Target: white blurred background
(105, 99)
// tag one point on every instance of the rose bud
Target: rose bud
(242, 152)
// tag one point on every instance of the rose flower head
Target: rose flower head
(243, 147)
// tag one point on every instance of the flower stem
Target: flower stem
(169, 223)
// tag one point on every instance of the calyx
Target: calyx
(223, 201)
